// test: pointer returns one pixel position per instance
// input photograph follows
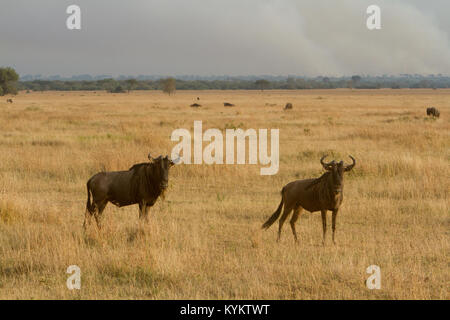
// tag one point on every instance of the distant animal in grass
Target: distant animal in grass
(196, 105)
(198, 98)
(227, 104)
(433, 112)
(9, 101)
(288, 106)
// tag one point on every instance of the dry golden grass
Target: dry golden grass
(205, 240)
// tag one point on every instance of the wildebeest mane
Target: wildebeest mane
(318, 180)
(138, 165)
(142, 182)
(322, 189)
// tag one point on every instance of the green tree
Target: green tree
(350, 84)
(262, 84)
(168, 85)
(117, 89)
(8, 81)
(131, 84)
(355, 80)
(290, 82)
(108, 84)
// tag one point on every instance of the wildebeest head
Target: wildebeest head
(337, 170)
(160, 169)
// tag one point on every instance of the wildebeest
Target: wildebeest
(433, 112)
(143, 183)
(9, 101)
(198, 98)
(288, 106)
(321, 194)
(195, 105)
(227, 104)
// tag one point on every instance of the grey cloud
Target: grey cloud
(234, 37)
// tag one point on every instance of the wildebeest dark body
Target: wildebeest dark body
(433, 112)
(142, 184)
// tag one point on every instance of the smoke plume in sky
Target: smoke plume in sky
(232, 37)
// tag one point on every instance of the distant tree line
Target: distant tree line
(168, 84)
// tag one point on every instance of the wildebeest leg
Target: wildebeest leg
(87, 219)
(287, 210)
(294, 220)
(98, 213)
(324, 224)
(140, 210)
(143, 210)
(334, 223)
(147, 208)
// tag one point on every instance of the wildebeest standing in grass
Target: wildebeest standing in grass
(142, 184)
(288, 106)
(321, 194)
(9, 101)
(433, 112)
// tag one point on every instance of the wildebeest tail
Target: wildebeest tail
(89, 205)
(275, 215)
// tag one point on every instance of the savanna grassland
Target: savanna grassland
(204, 241)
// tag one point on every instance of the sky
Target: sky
(225, 37)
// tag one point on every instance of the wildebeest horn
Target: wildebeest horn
(350, 167)
(325, 165)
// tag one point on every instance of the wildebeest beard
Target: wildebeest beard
(146, 183)
(323, 189)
